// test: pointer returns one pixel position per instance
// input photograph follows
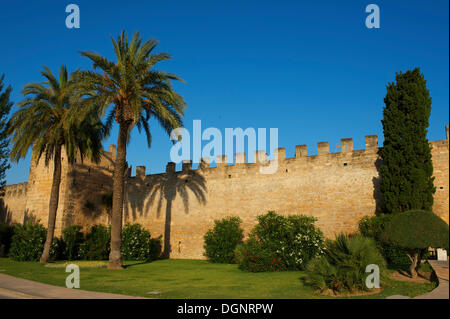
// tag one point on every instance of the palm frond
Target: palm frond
(51, 116)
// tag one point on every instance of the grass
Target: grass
(186, 279)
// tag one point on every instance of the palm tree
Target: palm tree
(49, 120)
(137, 92)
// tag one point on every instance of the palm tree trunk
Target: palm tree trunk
(53, 206)
(115, 257)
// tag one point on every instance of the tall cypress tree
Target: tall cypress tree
(406, 174)
(5, 107)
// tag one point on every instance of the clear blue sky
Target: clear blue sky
(310, 68)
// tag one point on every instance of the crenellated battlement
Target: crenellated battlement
(16, 190)
(301, 154)
(346, 154)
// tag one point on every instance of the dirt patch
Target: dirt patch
(332, 293)
(81, 264)
(404, 276)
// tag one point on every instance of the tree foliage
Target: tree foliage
(5, 107)
(373, 227)
(137, 91)
(416, 229)
(406, 174)
(49, 117)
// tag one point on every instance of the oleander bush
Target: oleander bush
(6, 233)
(342, 268)
(137, 243)
(252, 256)
(73, 238)
(27, 242)
(294, 239)
(96, 245)
(222, 239)
(281, 243)
(372, 227)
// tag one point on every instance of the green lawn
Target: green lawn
(182, 279)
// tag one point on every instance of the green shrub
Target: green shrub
(415, 231)
(136, 243)
(155, 248)
(27, 242)
(73, 238)
(97, 244)
(342, 268)
(58, 249)
(372, 227)
(221, 241)
(6, 233)
(252, 256)
(293, 239)
(280, 243)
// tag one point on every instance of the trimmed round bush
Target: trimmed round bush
(27, 242)
(97, 244)
(136, 243)
(372, 227)
(221, 241)
(342, 268)
(414, 231)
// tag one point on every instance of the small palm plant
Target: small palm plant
(343, 266)
(137, 93)
(51, 120)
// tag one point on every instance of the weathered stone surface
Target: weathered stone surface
(337, 188)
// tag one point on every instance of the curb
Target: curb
(17, 294)
(440, 292)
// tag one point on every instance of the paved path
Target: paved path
(442, 290)
(17, 288)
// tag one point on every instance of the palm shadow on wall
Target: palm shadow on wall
(6, 216)
(5, 213)
(88, 184)
(164, 187)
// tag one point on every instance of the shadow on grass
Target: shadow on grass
(136, 263)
